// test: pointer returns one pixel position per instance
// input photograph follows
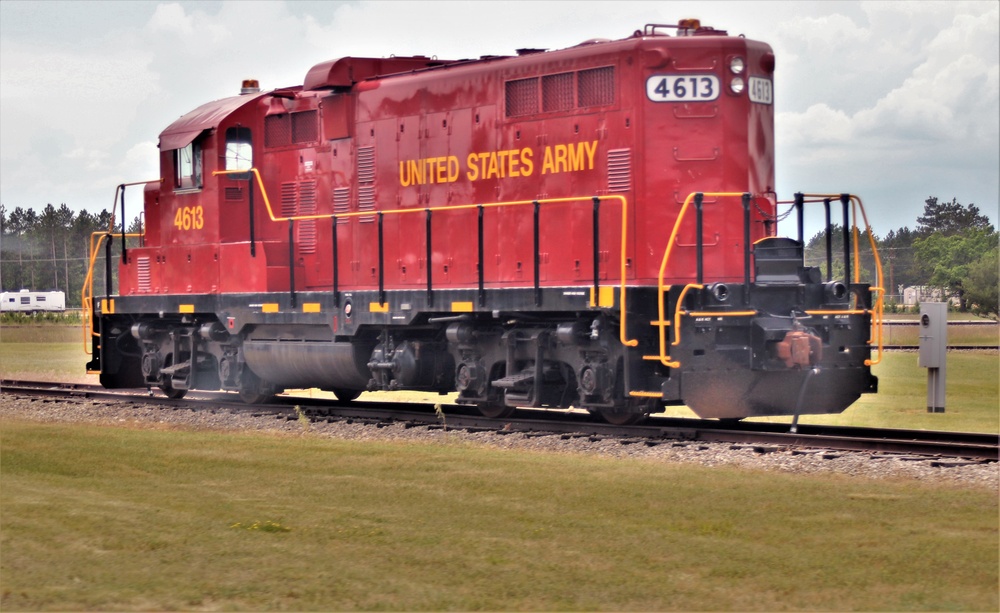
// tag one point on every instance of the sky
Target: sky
(893, 101)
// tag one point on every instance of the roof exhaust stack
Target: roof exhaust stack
(250, 86)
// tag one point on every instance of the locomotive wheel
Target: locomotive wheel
(253, 390)
(170, 392)
(255, 396)
(346, 395)
(496, 411)
(622, 417)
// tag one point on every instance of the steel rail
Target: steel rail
(658, 430)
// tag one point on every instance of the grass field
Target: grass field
(112, 518)
(123, 518)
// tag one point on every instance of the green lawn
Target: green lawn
(107, 518)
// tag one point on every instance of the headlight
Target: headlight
(737, 85)
(737, 65)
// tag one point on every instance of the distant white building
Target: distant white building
(916, 294)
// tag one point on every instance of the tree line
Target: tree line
(953, 247)
(50, 250)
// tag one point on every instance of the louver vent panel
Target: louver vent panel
(342, 203)
(307, 227)
(619, 170)
(144, 274)
(366, 202)
(366, 181)
(366, 165)
(289, 198)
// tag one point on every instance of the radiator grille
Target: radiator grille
(557, 92)
(521, 97)
(560, 92)
(277, 131)
(304, 127)
(596, 86)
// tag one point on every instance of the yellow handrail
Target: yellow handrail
(879, 289)
(87, 291)
(662, 323)
(622, 335)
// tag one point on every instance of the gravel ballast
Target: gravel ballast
(852, 464)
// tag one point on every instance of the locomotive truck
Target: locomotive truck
(590, 227)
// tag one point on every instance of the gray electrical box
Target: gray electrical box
(934, 351)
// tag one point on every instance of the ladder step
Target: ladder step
(170, 370)
(520, 379)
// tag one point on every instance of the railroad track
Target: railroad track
(764, 437)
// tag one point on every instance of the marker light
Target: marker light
(737, 85)
(736, 65)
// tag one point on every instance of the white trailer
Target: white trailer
(27, 301)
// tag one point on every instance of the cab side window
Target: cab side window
(187, 166)
(239, 149)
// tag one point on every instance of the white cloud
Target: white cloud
(932, 109)
(172, 18)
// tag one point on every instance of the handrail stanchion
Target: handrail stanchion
(799, 200)
(746, 249)
(597, 250)
(253, 240)
(124, 254)
(699, 241)
(430, 260)
(538, 259)
(108, 286)
(844, 201)
(291, 262)
(381, 262)
(336, 266)
(829, 241)
(481, 265)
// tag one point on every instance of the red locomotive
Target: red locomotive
(588, 227)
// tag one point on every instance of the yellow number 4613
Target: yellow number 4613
(189, 218)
